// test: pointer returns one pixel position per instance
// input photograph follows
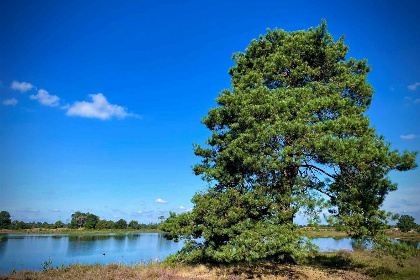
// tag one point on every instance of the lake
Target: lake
(29, 252)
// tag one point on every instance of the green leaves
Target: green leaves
(290, 135)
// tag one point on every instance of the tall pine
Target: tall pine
(290, 135)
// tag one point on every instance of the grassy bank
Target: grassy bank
(324, 233)
(313, 233)
(75, 231)
(337, 265)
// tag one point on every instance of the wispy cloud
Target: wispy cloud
(28, 210)
(45, 98)
(413, 86)
(159, 200)
(182, 207)
(98, 108)
(411, 100)
(56, 210)
(408, 136)
(22, 87)
(407, 202)
(10, 101)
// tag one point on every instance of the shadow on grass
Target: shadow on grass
(340, 260)
(343, 260)
(258, 270)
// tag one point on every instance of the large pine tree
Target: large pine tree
(291, 135)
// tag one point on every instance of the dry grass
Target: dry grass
(338, 265)
(266, 271)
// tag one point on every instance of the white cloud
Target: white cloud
(45, 98)
(56, 210)
(139, 212)
(413, 86)
(115, 216)
(182, 207)
(99, 108)
(11, 101)
(22, 87)
(159, 200)
(408, 136)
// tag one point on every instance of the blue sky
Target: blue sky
(101, 101)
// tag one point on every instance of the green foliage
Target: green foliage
(120, 224)
(400, 251)
(103, 224)
(290, 135)
(5, 220)
(133, 225)
(47, 265)
(58, 224)
(406, 223)
(91, 221)
(77, 220)
(86, 220)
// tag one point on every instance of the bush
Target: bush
(406, 223)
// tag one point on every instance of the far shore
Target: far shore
(309, 232)
(75, 231)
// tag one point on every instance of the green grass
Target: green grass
(325, 233)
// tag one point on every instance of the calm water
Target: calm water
(30, 251)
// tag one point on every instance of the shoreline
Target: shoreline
(75, 231)
(321, 233)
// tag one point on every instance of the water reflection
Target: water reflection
(3, 245)
(82, 245)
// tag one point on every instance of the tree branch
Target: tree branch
(318, 169)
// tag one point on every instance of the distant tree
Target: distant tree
(5, 220)
(120, 224)
(103, 224)
(47, 225)
(58, 224)
(78, 220)
(406, 223)
(91, 221)
(133, 225)
(19, 225)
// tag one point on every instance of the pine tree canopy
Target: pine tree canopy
(291, 135)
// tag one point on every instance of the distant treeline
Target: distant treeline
(78, 220)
